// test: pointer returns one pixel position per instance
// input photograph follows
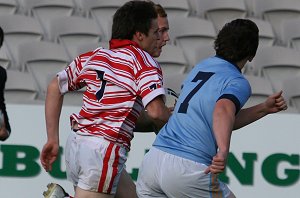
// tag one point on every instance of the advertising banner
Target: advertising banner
(264, 158)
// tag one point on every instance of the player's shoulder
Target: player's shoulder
(91, 52)
(144, 57)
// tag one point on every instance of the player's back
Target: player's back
(189, 131)
(117, 87)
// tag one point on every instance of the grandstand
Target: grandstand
(78, 25)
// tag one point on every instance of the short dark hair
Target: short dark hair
(132, 17)
(237, 40)
(1, 36)
(160, 10)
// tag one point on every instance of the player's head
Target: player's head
(237, 40)
(1, 36)
(137, 21)
(163, 25)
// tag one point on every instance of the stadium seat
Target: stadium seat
(175, 7)
(277, 64)
(276, 12)
(71, 31)
(190, 33)
(266, 34)
(261, 89)
(18, 29)
(172, 60)
(290, 110)
(103, 12)
(8, 7)
(45, 10)
(291, 33)
(250, 69)
(193, 8)
(43, 60)
(85, 47)
(291, 88)
(221, 12)
(19, 87)
(201, 52)
(250, 7)
(5, 61)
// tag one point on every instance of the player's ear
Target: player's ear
(139, 36)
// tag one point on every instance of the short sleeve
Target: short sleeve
(238, 91)
(149, 78)
(69, 77)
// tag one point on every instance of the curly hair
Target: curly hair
(132, 17)
(237, 40)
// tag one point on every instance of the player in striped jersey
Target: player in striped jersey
(119, 83)
(126, 186)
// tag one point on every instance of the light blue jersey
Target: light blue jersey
(189, 132)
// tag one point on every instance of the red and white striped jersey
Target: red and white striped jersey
(119, 82)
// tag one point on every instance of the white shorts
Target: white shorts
(165, 175)
(93, 163)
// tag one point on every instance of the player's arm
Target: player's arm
(144, 123)
(53, 106)
(158, 112)
(223, 121)
(273, 104)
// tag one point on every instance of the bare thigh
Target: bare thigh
(126, 186)
(80, 193)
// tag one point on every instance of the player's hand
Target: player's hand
(49, 155)
(275, 103)
(218, 164)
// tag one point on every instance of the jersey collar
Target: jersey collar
(119, 43)
(235, 65)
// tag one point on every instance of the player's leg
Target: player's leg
(55, 191)
(149, 177)
(96, 166)
(89, 194)
(126, 187)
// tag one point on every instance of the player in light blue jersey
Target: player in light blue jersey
(192, 148)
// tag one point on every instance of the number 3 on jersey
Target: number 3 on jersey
(202, 77)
